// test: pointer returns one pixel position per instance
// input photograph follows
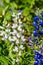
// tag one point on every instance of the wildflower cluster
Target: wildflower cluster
(39, 56)
(35, 38)
(14, 34)
(38, 24)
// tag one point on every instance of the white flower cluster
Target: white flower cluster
(14, 33)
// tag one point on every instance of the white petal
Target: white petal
(15, 49)
(18, 35)
(17, 60)
(1, 27)
(21, 47)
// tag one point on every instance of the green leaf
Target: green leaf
(8, 16)
(7, 1)
(26, 11)
(3, 60)
(13, 5)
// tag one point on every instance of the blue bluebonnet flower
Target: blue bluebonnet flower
(35, 33)
(36, 63)
(42, 31)
(37, 27)
(41, 60)
(36, 41)
(40, 20)
(39, 35)
(38, 23)
(34, 24)
(36, 18)
(41, 23)
(36, 57)
(35, 51)
(39, 56)
(42, 14)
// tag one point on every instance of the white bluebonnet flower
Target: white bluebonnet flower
(2, 33)
(3, 38)
(6, 36)
(14, 34)
(7, 30)
(19, 28)
(8, 25)
(18, 35)
(17, 41)
(17, 60)
(22, 47)
(14, 31)
(22, 38)
(10, 39)
(14, 26)
(19, 12)
(15, 38)
(1, 27)
(15, 49)
(20, 22)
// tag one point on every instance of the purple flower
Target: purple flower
(29, 38)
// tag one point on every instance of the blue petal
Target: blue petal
(41, 60)
(35, 57)
(39, 34)
(36, 41)
(42, 14)
(36, 18)
(36, 63)
(34, 24)
(37, 27)
(35, 33)
(42, 31)
(41, 24)
(40, 21)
